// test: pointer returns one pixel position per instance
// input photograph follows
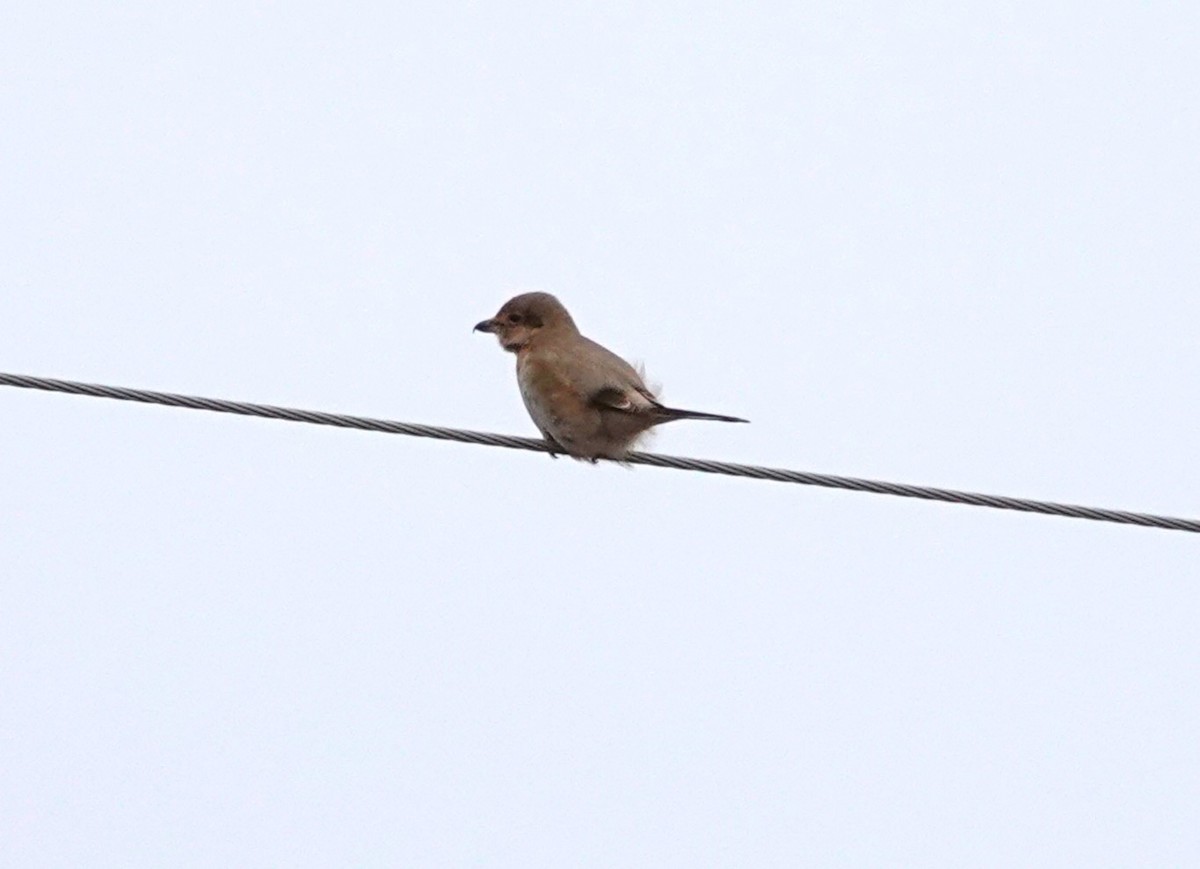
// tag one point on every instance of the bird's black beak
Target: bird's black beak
(485, 326)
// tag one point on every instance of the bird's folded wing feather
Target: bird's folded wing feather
(608, 381)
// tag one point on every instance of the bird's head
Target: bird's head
(524, 318)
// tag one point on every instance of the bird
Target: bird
(587, 402)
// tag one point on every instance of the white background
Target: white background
(947, 244)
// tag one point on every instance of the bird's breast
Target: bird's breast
(547, 388)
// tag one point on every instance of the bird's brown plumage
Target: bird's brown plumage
(587, 401)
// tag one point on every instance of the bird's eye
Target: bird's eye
(514, 318)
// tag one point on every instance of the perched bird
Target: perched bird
(587, 401)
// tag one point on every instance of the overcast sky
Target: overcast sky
(932, 243)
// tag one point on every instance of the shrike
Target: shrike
(586, 401)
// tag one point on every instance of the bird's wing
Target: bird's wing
(614, 398)
(608, 381)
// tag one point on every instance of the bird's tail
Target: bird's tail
(673, 413)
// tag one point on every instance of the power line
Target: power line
(754, 472)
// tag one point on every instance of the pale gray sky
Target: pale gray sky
(934, 243)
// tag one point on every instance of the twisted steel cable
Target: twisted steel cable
(706, 466)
